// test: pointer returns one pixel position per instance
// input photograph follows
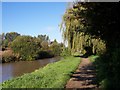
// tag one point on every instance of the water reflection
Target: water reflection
(14, 69)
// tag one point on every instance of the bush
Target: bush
(45, 54)
(56, 48)
(108, 73)
(65, 52)
(8, 56)
(26, 46)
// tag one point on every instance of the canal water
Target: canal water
(15, 69)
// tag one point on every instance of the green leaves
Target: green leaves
(99, 24)
(31, 48)
(8, 38)
(76, 26)
(26, 46)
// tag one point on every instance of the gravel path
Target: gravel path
(84, 77)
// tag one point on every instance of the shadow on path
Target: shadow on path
(84, 77)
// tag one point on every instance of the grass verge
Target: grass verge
(93, 57)
(102, 82)
(53, 75)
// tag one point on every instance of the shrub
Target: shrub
(8, 56)
(56, 48)
(65, 52)
(45, 54)
(26, 47)
(108, 73)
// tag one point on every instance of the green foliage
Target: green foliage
(75, 32)
(5, 43)
(0, 40)
(26, 46)
(8, 38)
(95, 25)
(93, 58)
(99, 46)
(65, 52)
(56, 48)
(43, 37)
(107, 67)
(54, 75)
(30, 48)
(45, 54)
(76, 54)
(8, 56)
(11, 36)
(44, 45)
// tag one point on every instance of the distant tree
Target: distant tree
(8, 38)
(56, 48)
(26, 47)
(0, 40)
(2, 37)
(11, 36)
(43, 37)
(44, 45)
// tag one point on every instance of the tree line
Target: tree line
(25, 47)
(93, 27)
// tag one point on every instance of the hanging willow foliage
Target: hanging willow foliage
(74, 26)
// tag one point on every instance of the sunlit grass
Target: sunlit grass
(93, 58)
(54, 75)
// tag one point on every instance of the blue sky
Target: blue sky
(33, 18)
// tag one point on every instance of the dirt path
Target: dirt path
(84, 77)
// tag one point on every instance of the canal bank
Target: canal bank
(15, 69)
(54, 75)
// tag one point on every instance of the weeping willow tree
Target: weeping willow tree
(75, 26)
(96, 25)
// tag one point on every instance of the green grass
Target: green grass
(93, 57)
(53, 75)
